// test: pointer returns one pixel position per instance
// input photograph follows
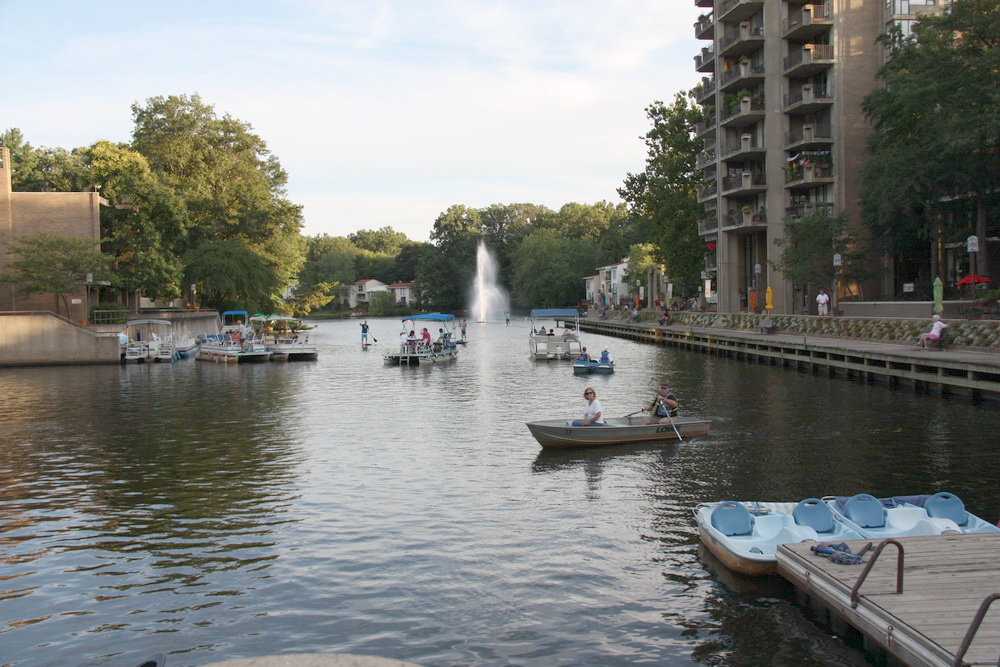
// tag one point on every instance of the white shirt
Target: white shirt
(592, 410)
(822, 299)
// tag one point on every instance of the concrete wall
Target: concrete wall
(45, 339)
(68, 214)
(917, 309)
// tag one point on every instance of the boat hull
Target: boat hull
(755, 554)
(588, 367)
(558, 433)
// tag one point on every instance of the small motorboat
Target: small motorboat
(555, 433)
(745, 536)
(586, 367)
(905, 516)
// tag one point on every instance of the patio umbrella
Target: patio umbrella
(938, 295)
(768, 305)
(972, 279)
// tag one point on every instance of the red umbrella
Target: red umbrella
(972, 279)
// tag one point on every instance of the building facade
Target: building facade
(783, 129)
(69, 214)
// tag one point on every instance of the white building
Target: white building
(362, 290)
(403, 294)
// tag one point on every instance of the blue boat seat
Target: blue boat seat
(944, 505)
(814, 513)
(865, 510)
(732, 518)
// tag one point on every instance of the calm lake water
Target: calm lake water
(217, 512)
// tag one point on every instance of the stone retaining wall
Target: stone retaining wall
(969, 333)
(46, 339)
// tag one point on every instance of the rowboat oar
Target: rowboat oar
(631, 413)
(671, 419)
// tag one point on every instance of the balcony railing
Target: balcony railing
(708, 224)
(809, 54)
(709, 189)
(703, 24)
(746, 179)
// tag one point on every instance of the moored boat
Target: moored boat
(232, 349)
(413, 352)
(150, 340)
(904, 516)
(286, 337)
(745, 536)
(554, 433)
(545, 343)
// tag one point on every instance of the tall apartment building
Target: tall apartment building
(783, 128)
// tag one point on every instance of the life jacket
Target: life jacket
(605, 359)
(664, 410)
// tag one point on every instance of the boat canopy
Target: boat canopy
(437, 317)
(555, 312)
(239, 312)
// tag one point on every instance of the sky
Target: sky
(383, 113)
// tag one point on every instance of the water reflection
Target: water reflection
(217, 512)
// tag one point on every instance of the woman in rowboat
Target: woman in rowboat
(592, 413)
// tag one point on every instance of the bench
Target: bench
(767, 326)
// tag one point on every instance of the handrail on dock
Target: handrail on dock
(868, 567)
(973, 628)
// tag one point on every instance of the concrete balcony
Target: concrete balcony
(737, 10)
(708, 190)
(704, 27)
(705, 159)
(808, 24)
(705, 61)
(808, 136)
(707, 225)
(745, 219)
(704, 91)
(799, 209)
(742, 41)
(704, 3)
(746, 147)
(705, 128)
(808, 176)
(808, 61)
(808, 99)
(749, 111)
(743, 76)
(744, 184)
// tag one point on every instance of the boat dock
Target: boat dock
(972, 373)
(924, 600)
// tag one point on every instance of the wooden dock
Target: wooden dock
(945, 581)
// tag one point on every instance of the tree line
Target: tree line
(199, 199)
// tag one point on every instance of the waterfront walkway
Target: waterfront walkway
(974, 372)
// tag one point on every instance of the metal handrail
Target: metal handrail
(868, 568)
(973, 628)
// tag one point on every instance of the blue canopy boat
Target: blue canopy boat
(547, 344)
(413, 352)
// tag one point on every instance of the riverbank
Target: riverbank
(963, 370)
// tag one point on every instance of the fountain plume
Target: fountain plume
(489, 301)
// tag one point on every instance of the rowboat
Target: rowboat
(553, 433)
(903, 516)
(586, 367)
(546, 344)
(745, 536)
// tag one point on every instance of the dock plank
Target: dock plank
(945, 578)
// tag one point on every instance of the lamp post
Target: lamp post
(838, 261)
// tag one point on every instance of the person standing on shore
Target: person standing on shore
(823, 303)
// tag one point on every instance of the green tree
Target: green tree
(230, 274)
(50, 264)
(936, 122)
(144, 224)
(308, 299)
(664, 196)
(384, 241)
(548, 269)
(808, 247)
(232, 186)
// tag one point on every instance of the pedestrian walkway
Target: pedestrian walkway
(955, 370)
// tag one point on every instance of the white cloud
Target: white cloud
(383, 113)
